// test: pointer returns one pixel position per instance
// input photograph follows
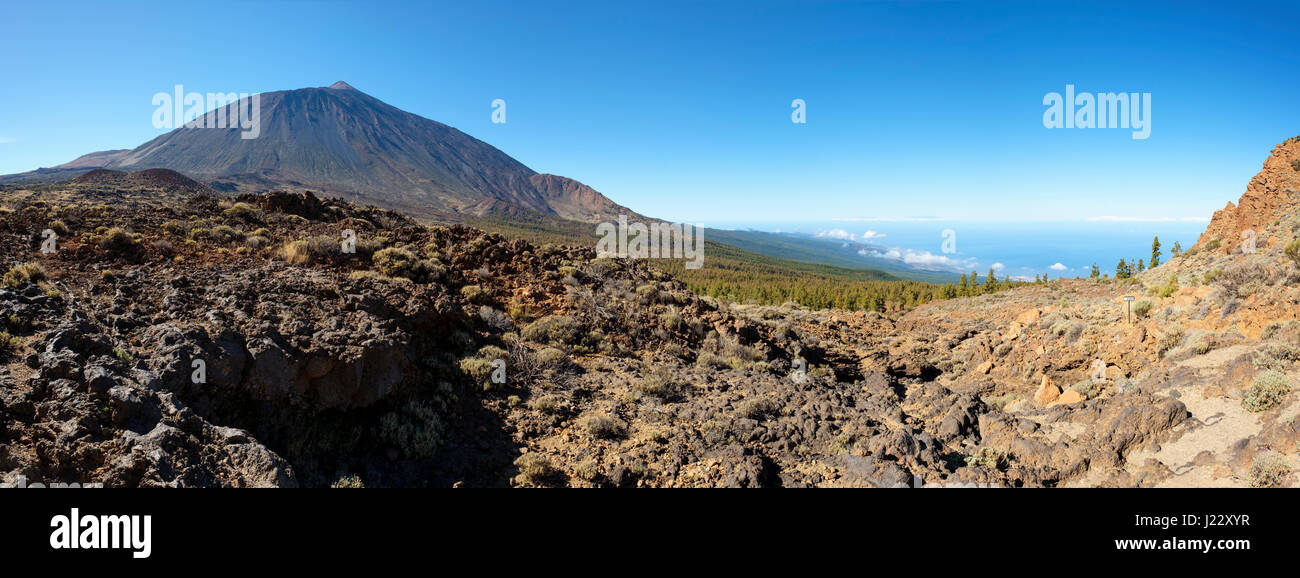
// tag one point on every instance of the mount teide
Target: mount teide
(343, 142)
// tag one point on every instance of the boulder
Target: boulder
(1047, 392)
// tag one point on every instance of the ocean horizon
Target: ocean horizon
(1019, 249)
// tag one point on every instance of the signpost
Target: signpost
(1128, 308)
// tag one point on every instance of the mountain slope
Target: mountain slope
(344, 142)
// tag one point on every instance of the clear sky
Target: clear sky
(682, 110)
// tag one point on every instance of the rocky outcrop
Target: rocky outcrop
(82, 415)
(1267, 194)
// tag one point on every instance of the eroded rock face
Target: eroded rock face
(83, 416)
(1266, 195)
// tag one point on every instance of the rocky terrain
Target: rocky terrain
(280, 339)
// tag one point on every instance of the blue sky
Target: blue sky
(682, 110)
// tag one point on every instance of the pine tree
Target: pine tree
(1155, 252)
(1141, 267)
(991, 284)
(1096, 271)
(1177, 250)
(1121, 270)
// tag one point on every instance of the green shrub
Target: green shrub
(176, 228)
(243, 211)
(546, 403)
(1200, 342)
(552, 357)
(756, 408)
(659, 382)
(587, 470)
(986, 457)
(1169, 288)
(24, 274)
(712, 361)
(1142, 308)
(225, 234)
(1268, 391)
(552, 330)
(1171, 338)
(603, 426)
(479, 370)
(311, 250)
(671, 320)
(1000, 402)
(1087, 388)
(475, 294)
(116, 240)
(534, 468)
(415, 429)
(1292, 251)
(348, 481)
(1269, 470)
(399, 262)
(1277, 357)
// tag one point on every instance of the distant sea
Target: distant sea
(1018, 249)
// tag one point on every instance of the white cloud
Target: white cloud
(872, 235)
(1122, 219)
(1058, 267)
(998, 266)
(836, 234)
(922, 259)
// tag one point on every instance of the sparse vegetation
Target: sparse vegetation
(311, 250)
(658, 382)
(1268, 391)
(603, 426)
(1142, 309)
(349, 481)
(534, 468)
(1292, 251)
(1277, 357)
(243, 211)
(118, 241)
(1269, 470)
(475, 294)
(987, 457)
(552, 330)
(415, 429)
(399, 262)
(24, 274)
(1168, 288)
(1171, 337)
